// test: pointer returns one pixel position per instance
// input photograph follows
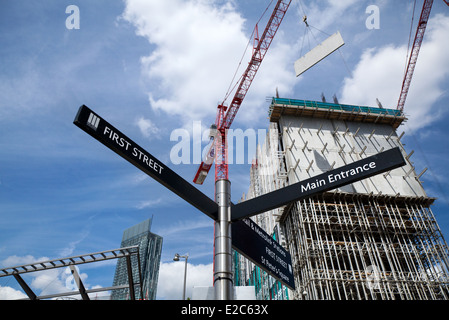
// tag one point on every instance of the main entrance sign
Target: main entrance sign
(118, 142)
(362, 169)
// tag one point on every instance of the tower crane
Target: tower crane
(218, 151)
(422, 25)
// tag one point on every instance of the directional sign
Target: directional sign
(387, 160)
(115, 140)
(255, 244)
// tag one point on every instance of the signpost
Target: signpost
(233, 226)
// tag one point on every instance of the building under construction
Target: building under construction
(373, 239)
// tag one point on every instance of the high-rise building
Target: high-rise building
(150, 248)
(374, 239)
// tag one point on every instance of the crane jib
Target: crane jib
(259, 53)
(224, 120)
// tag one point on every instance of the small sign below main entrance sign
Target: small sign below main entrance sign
(255, 244)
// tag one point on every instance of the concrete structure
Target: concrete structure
(374, 239)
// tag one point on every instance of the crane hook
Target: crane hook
(305, 21)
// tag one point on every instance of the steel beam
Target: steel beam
(25, 287)
(79, 283)
(130, 277)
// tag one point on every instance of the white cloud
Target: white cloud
(8, 293)
(148, 204)
(171, 279)
(46, 282)
(147, 127)
(197, 46)
(68, 251)
(17, 260)
(379, 74)
(182, 226)
(49, 282)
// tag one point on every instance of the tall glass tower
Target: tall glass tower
(150, 248)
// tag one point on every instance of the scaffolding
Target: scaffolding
(347, 246)
(374, 239)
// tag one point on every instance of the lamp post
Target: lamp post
(176, 258)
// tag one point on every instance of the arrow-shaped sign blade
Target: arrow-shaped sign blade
(362, 169)
(104, 132)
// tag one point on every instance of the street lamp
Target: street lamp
(176, 258)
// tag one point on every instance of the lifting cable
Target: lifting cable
(231, 86)
(308, 28)
(412, 133)
(409, 38)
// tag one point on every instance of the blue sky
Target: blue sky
(150, 67)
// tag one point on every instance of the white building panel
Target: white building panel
(322, 144)
(318, 53)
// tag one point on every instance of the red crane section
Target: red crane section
(226, 115)
(422, 25)
(261, 47)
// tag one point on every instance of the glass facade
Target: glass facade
(265, 286)
(150, 248)
(247, 273)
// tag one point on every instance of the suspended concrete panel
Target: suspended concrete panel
(318, 53)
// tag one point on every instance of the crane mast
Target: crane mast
(226, 115)
(422, 25)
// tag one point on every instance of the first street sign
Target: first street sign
(115, 140)
(362, 169)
